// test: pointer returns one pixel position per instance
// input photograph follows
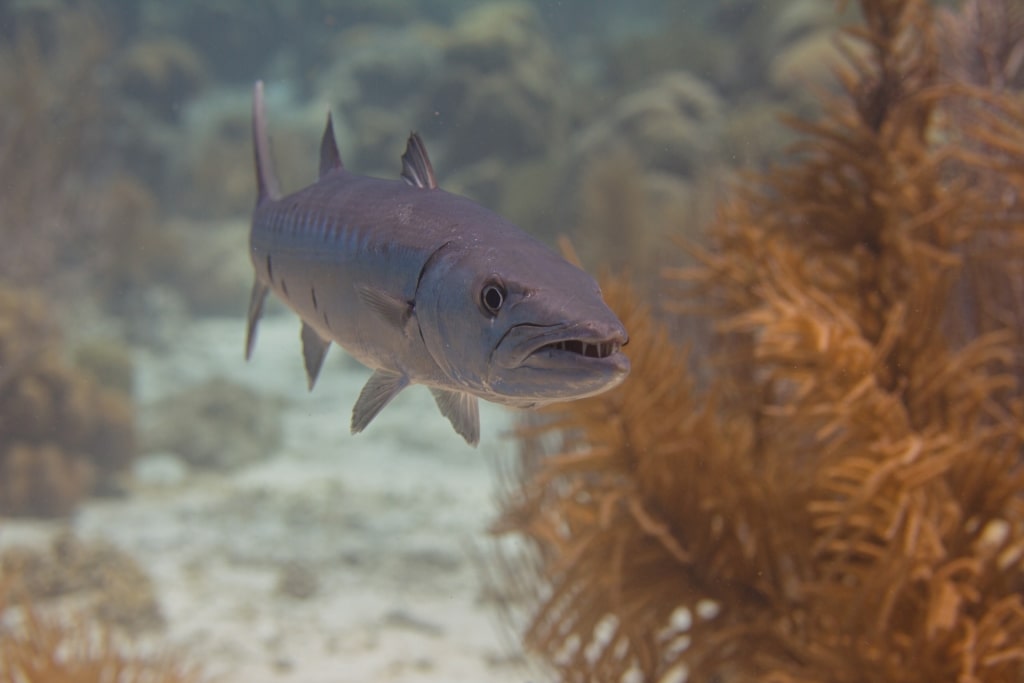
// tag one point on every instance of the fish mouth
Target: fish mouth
(545, 364)
(567, 346)
(580, 347)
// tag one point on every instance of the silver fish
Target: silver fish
(426, 287)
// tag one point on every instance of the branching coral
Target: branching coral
(105, 583)
(41, 648)
(844, 500)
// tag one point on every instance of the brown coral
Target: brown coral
(62, 436)
(108, 585)
(48, 78)
(844, 500)
(41, 647)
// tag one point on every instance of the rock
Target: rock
(297, 580)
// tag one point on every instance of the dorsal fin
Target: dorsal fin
(267, 186)
(330, 157)
(416, 167)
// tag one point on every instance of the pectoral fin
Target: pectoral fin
(256, 299)
(391, 309)
(378, 392)
(462, 411)
(314, 348)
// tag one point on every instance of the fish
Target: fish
(424, 286)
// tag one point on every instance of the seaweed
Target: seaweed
(842, 499)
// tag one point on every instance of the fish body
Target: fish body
(426, 287)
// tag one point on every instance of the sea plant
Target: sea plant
(842, 499)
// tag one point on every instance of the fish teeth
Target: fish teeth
(582, 348)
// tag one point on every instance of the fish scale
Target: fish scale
(425, 287)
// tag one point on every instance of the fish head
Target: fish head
(521, 327)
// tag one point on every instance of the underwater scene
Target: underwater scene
(717, 309)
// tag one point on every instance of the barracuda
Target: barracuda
(425, 287)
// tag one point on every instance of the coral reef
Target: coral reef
(48, 69)
(161, 73)
(63, 436)
(217, 274)
(216, 425)
(627, 213)
(107, 585)
(641, 170)
(211, 171)
(842, 499)
(38, 645)
(498, 87)
(670, 124)
(79, 161)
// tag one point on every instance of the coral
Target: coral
(498, 87)
(109, 362)
(987, 55)
(73, 227)
(217, 274)
(843, 498)
(626, 214)
(670, 124)
(161, 73)
(47, 69)
(985, 43)
(638, 169)
(107, 584)
(686, 42)
(62, 435)
(212, 175)
(807, 65)
(129, 210)
(41, 647)
(217, 424)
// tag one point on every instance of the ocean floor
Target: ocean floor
(341, 558)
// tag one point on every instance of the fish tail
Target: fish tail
(267, 186)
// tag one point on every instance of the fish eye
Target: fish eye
(492, 296)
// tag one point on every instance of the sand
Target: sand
(382, 529)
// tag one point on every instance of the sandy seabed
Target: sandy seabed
(386, 527)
